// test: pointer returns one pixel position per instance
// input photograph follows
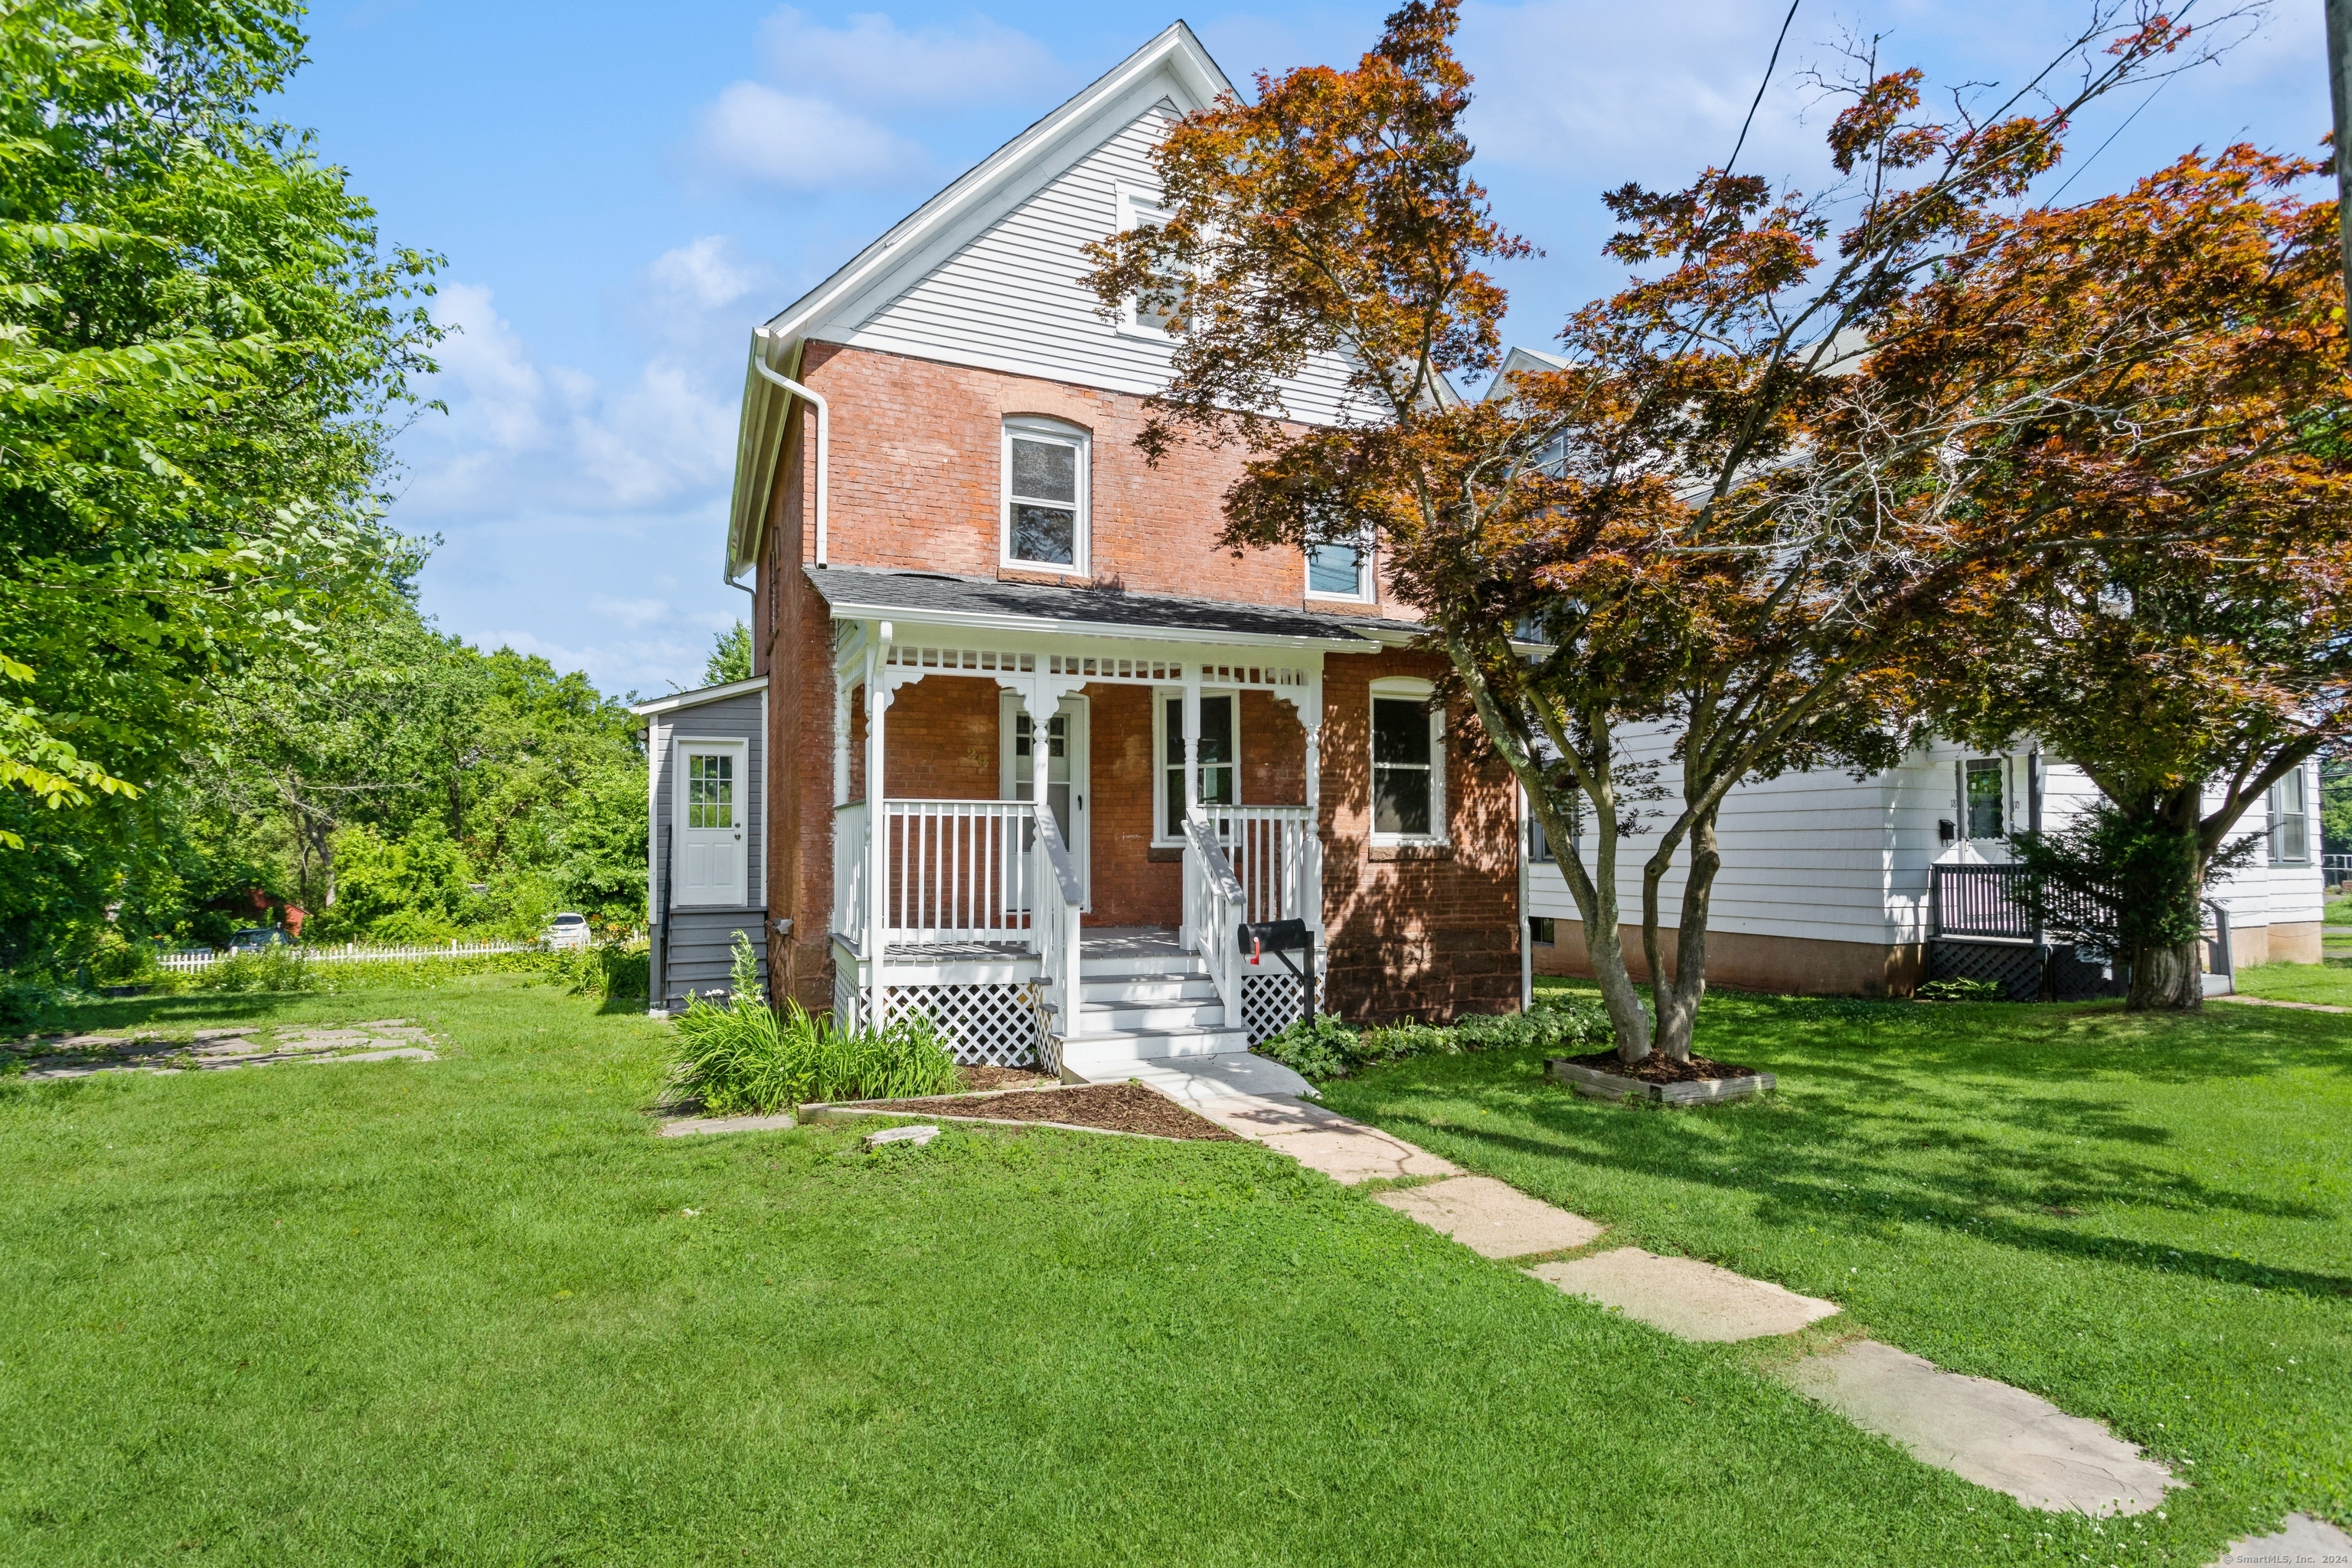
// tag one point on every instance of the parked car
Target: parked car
(567, 929)
(255, 938)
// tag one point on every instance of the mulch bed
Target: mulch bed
(983, 1077)
(1115, 1107)
(1658, 1067)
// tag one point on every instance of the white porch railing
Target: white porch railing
(1213, 908)
(1061, 907)
(1273, 854)
(957, 871)
(849, 866)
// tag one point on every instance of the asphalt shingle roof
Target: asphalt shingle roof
(880, 590)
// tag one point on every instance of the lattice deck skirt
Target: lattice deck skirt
(988, 1024)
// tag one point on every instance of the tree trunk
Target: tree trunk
(2167, 976)
(1678, 1002)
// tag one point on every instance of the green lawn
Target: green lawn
(2145, 1220)
(472, 1311)
(2328, 981)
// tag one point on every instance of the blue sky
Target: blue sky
(623, 191)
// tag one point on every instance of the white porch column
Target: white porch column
(1310, 894)
(1191, 737)
(877, 819)
(1039, 700)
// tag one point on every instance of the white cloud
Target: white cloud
(875, 62)
(630, 613)
(707, 273)
(795, 144)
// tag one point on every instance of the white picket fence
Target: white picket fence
(351, 952)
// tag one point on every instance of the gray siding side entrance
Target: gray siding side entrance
(693, 941)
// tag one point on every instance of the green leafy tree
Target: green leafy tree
(730, 657)
(200, 339)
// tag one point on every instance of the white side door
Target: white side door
(1066, 783)
(712, 797)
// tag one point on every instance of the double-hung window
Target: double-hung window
(1220, 759)
(2291, 821)
(1339, 572)
(1045, 487)
(1408, 764)
(1145, 317)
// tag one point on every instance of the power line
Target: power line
(2102, 146)
(1768, 68)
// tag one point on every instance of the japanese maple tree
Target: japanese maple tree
(1717, 517)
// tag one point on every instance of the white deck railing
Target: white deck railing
(849, 864)
(1212, 910)
(957, 871)
(1271, 850)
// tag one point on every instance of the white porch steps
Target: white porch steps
(1146, 1005)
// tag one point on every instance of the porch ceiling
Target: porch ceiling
(936, 598)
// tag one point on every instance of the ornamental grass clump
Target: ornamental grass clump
(742, 1058)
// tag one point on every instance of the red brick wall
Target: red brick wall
(916, 480)
(1435, 933)
(915, 484)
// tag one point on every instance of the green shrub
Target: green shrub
(742, 1058)
(278, 968)
(24, 1005)
(608, 969)
(1962, 991)
(1325, 1048)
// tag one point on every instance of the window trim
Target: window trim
(1365, 580)
(2279, 818)
(1161, 761)
(1133, 200)
(1404, 689)
(1030, 427)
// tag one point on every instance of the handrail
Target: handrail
(1060, 908)
(1270, 850)
(1213, 907)
(959, 870)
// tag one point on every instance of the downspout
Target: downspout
(1526, 925)
(823, 435)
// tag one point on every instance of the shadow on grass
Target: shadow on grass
(1969, 1137)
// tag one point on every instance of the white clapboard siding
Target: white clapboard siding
(1828, 856)
(1009, 299)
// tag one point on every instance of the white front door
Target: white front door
(1066, 774)
(713, 796)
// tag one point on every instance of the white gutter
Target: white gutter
(823, 432)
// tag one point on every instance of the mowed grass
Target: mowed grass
(473, 1310)
(2145, 1220)
(2327, 982)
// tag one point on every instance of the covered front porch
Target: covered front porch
(1182, 790)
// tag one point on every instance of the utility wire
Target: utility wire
(1769, 67)
(2102, 146)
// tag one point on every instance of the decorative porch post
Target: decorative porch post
(842, 687)
(877, 819)
(1310, 895)
(1038, 699)
(1185, 935)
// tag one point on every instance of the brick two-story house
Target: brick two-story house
(956, 546)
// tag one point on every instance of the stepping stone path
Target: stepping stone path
(916, 1136)
(1998, 1436)
(1686, 1298)
(215, 1051)
(1492, 1218)
(2302, 1539)
(2273, 1002)
(1993, 1435)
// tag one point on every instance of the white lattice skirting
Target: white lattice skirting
(1270, 1004)
(989, 1025)
(844, 998)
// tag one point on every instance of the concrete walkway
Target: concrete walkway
(1998, 1436)
(219, 1050)
(2302, 1539)
(2273, 1002)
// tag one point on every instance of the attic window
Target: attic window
(1141, 209)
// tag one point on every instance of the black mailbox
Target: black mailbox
(1282, 938)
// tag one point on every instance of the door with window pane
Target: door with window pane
(1219, 759)
(710, 823)
(1066, 782)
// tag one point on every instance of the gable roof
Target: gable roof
(920, 239)
(698, 696)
